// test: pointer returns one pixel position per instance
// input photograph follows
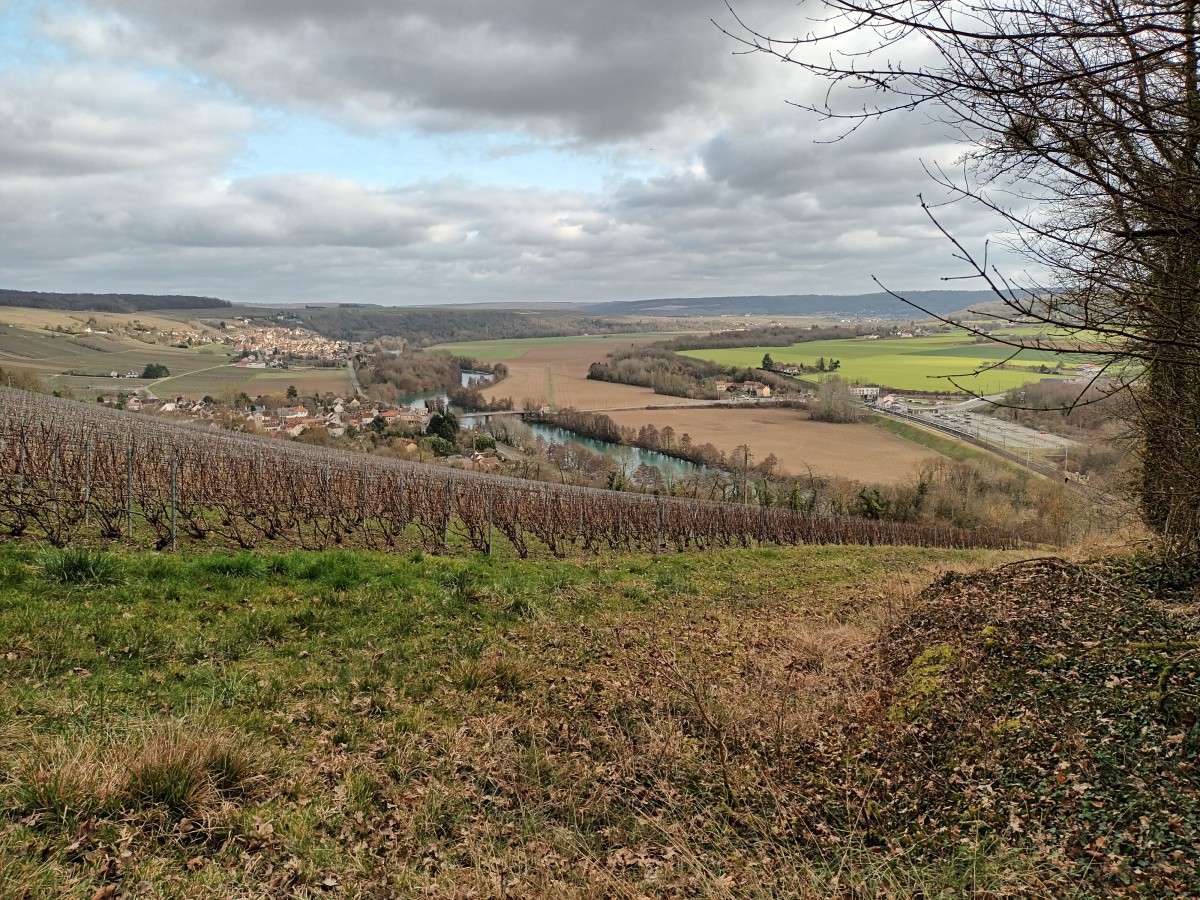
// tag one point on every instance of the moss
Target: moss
(924, 679)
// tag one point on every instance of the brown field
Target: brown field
(556, 374)
(861, 452)
(27, 317)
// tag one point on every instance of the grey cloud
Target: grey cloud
(315, 238)
(874, 167)
(70, 122)
(114, 181)
(592, 70)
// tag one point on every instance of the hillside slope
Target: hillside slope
(876, 304)
(111, 303)
(758, 723)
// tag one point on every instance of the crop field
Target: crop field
(164, 320)
(911, 364)
(72, 472)
(597, 346)
(214, 382)
(554, 371)
(860, 452)
(195, 371)
(52, 352)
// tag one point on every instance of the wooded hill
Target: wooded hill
(878, 304)
(110, 303)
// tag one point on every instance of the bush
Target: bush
(441, 447)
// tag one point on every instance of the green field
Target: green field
(215, 382)
(48, 353)
(515, 349)
(195, 371)
(909, 364)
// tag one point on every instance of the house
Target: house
(480, 463)
(413, 418)
(749, 388)
(865, 393)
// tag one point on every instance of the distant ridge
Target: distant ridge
(112, 303)
(879, 304)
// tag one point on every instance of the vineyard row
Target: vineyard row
(69, 471)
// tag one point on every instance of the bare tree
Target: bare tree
(1084, 115)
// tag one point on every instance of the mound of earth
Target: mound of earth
(1050, 706)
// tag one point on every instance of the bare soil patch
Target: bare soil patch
(861, 452)
(557, 375)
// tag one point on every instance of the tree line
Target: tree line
(666, 372)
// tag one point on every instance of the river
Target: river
(628, 458)
(423, 399)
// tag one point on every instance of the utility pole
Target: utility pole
(745, 471)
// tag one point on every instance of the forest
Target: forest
(111, 303)
(664, 372)
(426, 326)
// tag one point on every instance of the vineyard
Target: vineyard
(70, 471)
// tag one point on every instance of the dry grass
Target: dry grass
(635, 726)
(168, 769)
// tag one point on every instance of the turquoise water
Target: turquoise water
(422, 400)
(628, 458)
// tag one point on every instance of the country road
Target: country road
(354, 378)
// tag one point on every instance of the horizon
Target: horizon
(440, 155)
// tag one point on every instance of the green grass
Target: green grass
(217, 382)
(915, 364)
(939, 443)
(756, 723)
(224, 724)
(82, 566)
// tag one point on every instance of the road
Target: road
(990, 432)
(354, 376)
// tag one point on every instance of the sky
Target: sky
(445, 151)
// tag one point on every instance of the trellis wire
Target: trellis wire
(164, 481)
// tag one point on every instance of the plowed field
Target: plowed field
(860, 452)
(556, 374)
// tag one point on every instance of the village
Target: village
(335, 416)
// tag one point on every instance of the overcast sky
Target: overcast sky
(420, 151)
